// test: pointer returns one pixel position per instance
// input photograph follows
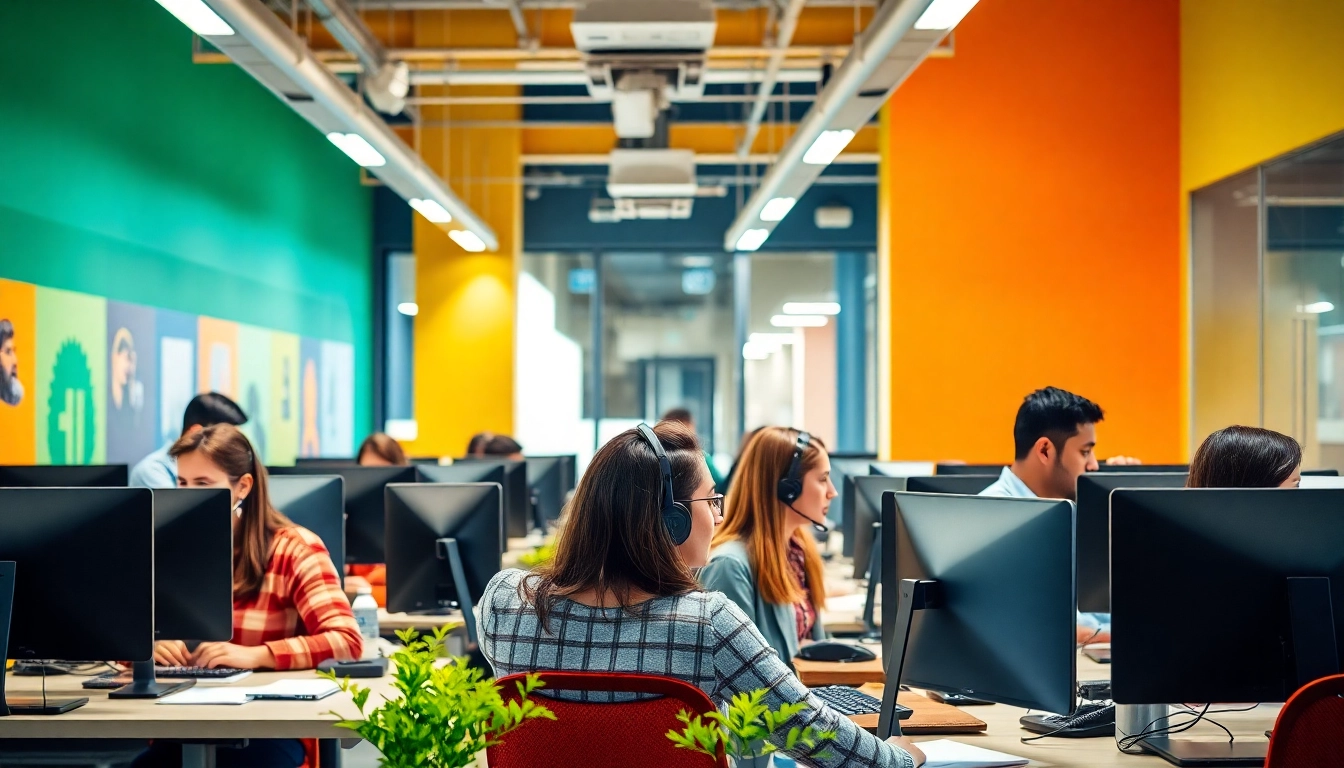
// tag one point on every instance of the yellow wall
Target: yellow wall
(464, 334)
(1258, 78)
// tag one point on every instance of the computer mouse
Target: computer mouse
(832, 651)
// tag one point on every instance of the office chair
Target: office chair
(603, 735)
(1310, 729)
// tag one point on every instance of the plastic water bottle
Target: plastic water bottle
(366, 616)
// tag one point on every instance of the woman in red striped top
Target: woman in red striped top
(288, 608)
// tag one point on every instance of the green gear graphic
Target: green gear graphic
(71, 374)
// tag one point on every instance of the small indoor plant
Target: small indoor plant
(446, 714)
(743, 730)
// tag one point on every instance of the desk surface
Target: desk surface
(393, 622)
(104, 718)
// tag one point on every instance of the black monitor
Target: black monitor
(511, 475)
(363, 505)
(1144, 469)
(979, 598)
(867, 500)
(1094, 530)
(83, 587)
(326, 463)
(967, 485)
(316, 502)
(844, 467)
(1253, 577)
(68, 476)
(1320, 473)
(547, 479)
(443, 546)
(969, 469)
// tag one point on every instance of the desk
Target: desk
(814, 674)
(395, 622)
(104, 718)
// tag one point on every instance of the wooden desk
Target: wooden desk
(814, 674)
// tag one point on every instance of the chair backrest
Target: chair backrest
(600, 734)
(1310, 729)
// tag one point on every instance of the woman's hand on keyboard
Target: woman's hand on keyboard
(213, 655)
(171, 653)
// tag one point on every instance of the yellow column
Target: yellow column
(464, 333)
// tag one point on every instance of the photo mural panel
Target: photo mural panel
(18, 366)
(71, 392)
(132, 383)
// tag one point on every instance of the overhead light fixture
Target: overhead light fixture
(812, 308)
(798, 321)
(431, 210)
(1318, 308)
(357, 148)
(468, 240)
(944, 14)
(752, 239)
(752, 351)
(827, 147)
(408, 308)
(198, 17)
(777, 208)
(771, 339)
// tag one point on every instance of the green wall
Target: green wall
(132, 173)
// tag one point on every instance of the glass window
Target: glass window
(399, 373)
(553, 392)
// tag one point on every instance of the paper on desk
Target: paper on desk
(231, 679)
(208, 695)
(946, 753)
(313, 689)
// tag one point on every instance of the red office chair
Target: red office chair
(603, 735)
(1310, 729)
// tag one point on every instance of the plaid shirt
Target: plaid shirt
(702, 638)
(300, 612)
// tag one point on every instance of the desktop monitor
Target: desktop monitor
(966, 485)
(363, 505)
(979, 597)
(843, 467)
(1094, 530)
(326, 463)
(867, 500)
(511, 475)
(193, 564)
(443, 545)
(548, 480)
(84, 579)
(70, 476)
(1224, 595)
(1144, 469)
(1320, 473)
(316, 502)
(969, 469)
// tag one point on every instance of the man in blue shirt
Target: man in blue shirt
(158, 469)
(1054, 439)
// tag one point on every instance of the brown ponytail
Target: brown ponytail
(229, 449)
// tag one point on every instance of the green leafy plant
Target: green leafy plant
(445, 713)
(538, 555)
(743, 730)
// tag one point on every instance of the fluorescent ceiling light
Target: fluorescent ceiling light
(408, 308)
(812, 308)
(198, 17)
(771, 339)
(431, 210)
(468, 240)
(752, 351)
(777, 208)
(798, 321)
(752, 239)
(357, 148)
(944, 14)
(827, 146)
(1319, 308)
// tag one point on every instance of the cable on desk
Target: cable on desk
(1128, 743)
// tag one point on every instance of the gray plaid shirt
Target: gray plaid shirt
(702, 638)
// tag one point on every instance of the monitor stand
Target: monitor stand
(1208, 753)
(22, 705)
(145, 686)
(872, 632)
(916, 595)
(447, 550)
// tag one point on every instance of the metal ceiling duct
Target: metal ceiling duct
(386, 83)
(878, 62)
(269, 51)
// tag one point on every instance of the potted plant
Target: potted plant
(743, 730)
(445, 715)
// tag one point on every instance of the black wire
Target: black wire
(1129, 742)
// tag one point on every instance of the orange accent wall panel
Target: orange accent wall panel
(1033, 190)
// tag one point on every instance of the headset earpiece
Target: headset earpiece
(676, 517)
(791, 485)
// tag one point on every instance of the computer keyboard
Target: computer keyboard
(1087, 721)
(113, 680)
(851, 701)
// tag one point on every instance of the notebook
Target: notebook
(946, 753)
(208, 695)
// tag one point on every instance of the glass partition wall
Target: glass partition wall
(1267, 290)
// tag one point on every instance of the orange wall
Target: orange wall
(1033, 236)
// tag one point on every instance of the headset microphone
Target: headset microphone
(818, 527)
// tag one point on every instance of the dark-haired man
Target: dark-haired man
(11, 389)
(158, 469)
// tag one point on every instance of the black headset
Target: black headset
(676, 516)
(791, 484)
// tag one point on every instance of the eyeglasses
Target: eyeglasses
(715, 502)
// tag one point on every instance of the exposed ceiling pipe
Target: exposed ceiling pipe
(783, 39)
(466, 5)
(572, 76)
(268, 50)
(520, 23)
(385, 82)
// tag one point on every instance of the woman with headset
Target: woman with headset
(620, 596)
(764, 557)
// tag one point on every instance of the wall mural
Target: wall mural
(85, 380)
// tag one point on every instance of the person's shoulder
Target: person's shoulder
(298, 541)
(732, 550)
(507, 584)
